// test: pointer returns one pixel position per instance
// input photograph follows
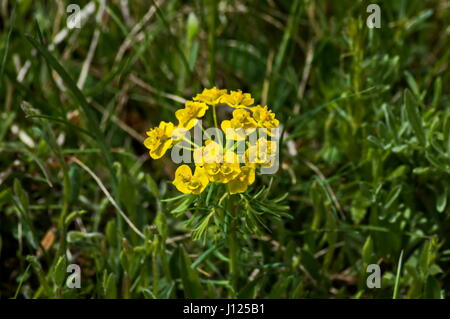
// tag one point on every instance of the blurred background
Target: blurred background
(365, 156)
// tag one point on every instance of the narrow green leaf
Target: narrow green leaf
(8, 39)
(59, 273)
(437, 93)
(447, 134)
(189, 276)
(390, 121)
(71, 217)
(367, 250)
(203, 256)
(442, 198)
(397, 277)
(412, 83)
(110, 287)
(412, 111)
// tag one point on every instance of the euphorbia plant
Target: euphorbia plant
(223, 164)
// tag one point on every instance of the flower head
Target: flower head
(237, 99)
(263, 153)
(225, 161)
(264, 117)
(187, 183)
(212, 152)
(241, 182)
(240, 125)
(224, 170)
(159, 139)
(188, 116)
(210, 96)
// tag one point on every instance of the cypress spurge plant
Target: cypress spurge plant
(217, 188)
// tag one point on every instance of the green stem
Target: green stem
(215, 117)
(58, 293)
(155, 272)
(233, 253)
(190, 142)
(233, 250)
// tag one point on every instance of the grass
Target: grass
(365, 152)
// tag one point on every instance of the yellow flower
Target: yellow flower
(210, 96)
(237, 99)
(212, 152)
(229, 171)
(263, 153)
(225, 170)
(213, 171)
(179, 133)
(187, 183)
(264, 117)
(159, 139)
(239, 126)
(241, 182)
(222, 172)
(188, 116)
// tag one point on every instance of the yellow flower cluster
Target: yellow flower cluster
(216, 163)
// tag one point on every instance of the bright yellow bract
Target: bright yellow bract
(210, 96)
(263, 152)
(237, 99)
(159, 139)
(240, 125)
(187, 183)
(240, 183)
(188, 116)
(264, 117)
(212, 152)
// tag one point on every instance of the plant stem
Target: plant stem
(155, 273)
(233, 255)
(190, 142)
(233, 250)
(215, 117)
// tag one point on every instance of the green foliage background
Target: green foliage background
(365, 152)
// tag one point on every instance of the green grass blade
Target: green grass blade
(412, 111)
(7, 41)
(397, 276)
